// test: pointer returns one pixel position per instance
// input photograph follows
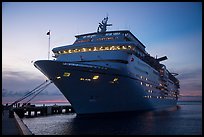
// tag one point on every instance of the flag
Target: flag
(48, 33)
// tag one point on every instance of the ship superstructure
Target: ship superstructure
(110, 71)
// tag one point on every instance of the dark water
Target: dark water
(185, 119)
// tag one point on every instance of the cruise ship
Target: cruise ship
(110, 71)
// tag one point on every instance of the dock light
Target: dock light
(58, 77)
(95, 77)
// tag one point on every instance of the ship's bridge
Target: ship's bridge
(109, 36)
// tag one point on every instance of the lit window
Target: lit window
(112, 48)
(58, 77)
(124, 47)
(129, 47)
(118, 47)
(101, 48)
(94, 49)
(81, 78)
(95, 77)
(115, 79)
(66, 74)
(141, 83)
(87, 79)
(84, 49)
(106, 48)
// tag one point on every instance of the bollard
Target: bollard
(60, 110)
(11, 114)
(49, 110)
(35, 113)
(29, 113)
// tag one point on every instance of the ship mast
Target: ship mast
(102, 26)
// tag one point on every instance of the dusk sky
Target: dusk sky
(173, 29)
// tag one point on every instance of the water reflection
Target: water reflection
(120, 123)
(179, 120)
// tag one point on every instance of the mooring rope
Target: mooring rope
(29, 93)
(39, 91)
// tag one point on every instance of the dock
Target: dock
(34, 111)
(11, 117)
(13, 125)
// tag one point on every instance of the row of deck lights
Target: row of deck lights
(159, 97)
(102, 48)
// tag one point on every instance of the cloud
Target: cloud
(190, 74)
(20, 75)
(191, 81)
(17, 83)
(50, 93)
(6, 93)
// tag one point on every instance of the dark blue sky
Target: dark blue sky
(173, 29)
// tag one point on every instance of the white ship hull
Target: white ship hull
(101, 95)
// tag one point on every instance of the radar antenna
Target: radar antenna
(102, 26)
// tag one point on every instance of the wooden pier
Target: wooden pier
(34, 111)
